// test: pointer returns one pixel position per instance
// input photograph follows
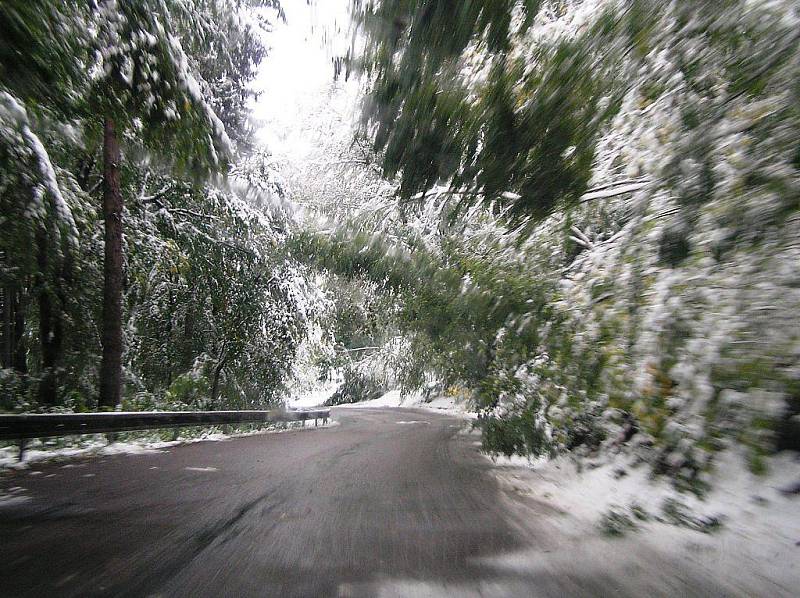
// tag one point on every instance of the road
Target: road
(389, 502)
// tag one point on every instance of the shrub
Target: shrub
(616, 522)
(521, 433)
(356, 387)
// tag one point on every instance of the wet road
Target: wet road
(387, 503)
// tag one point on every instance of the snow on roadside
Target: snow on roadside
(96, 447)
(393, 398)
(312, 398)
(14, 496)
(390, 399)
(755, 550)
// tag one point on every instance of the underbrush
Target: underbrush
(356, 387)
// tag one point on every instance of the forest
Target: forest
(581, 217)
(139, 268)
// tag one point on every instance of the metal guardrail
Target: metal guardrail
(27, 426)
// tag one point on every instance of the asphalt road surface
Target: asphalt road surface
(390, 502)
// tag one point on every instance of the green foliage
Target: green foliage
(616, 522)
(357, 386)
(206, 292)
(677, 513)
(521, 434)
(210, 306)
(147, 84)
(523, 139)
(661, 319)
(191, 388)
(15, 394)
(44, 52)
(639, 512)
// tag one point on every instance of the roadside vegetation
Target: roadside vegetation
(140, 261)
(594, 228)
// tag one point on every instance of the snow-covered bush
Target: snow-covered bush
(679, 308)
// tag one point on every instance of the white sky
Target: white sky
(297, 76)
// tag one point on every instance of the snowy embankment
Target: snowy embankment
(312, 398)
(744, 534)
(393, 398)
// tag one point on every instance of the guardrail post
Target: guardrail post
(22, 443)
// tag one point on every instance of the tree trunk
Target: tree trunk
(111, 364)
(215, 382)
(20, 351)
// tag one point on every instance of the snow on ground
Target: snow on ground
(311, 398)
(754, 552)
(98, 446)
(14, 496)
(390, 399)
(393, 398)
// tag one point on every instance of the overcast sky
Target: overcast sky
(297, 76)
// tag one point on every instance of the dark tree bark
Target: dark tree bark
(111, 364)
(47, 387)
(51, 334)
(85, 167)
(215, 382)
(14, 354)
(20, 350)
(8, 297)
(52, 301)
